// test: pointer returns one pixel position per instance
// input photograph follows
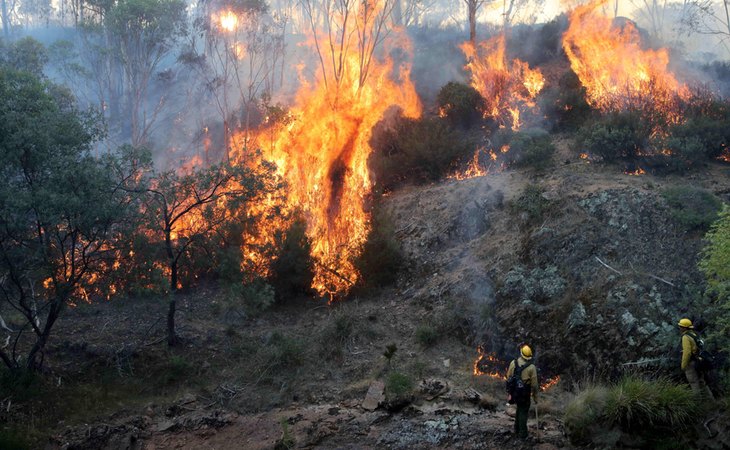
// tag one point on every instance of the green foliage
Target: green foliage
(389, 352)
(293, 270)
(686, 152)
(249, 299)
(282, 352)
(286, 441)
(693, 208)
(532, 148)
(13, 440)
(532, 203)
(707, 131)
(460, 104)
(381, 256)
(338, 330)
(61, 209)
(178, 368)
(647, 408)
(21, 384)
(25, 55)
(415, 150)
(615, 136)
(565, 104)
(427, 334)
(715, 266)
(398, 385)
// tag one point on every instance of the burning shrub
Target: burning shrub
(531, 148)
(710, 133)
(651, 410)
(460, 104)
(381, 257)
(293, 270)
(415, 150)
(693, 208)
(615, 136)
(565, 105)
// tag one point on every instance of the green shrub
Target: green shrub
(645, 408)
(12, 440)
(531, 202)
(249, 299)
(381, 257)
(460, 104)
(693, 208)
(615, 136)
(416, 151)
(176, 370)
(709, 130)
(398, 385)
(715, 266)
(686, 152)
(565, 104)
(427, 334)
(282, 352)
(338, 330)
(532, 148)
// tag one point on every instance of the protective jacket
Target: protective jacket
(689, 347)
(529, 374)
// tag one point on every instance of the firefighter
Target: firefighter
(689, 356)
(521, 397)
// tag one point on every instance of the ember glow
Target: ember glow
(228, 21)
(488, 364)
(639, 171)
(322, 154)
(509, 88)
(550, 382)
(616, 72)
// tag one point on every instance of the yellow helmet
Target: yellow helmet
(685, 323)
(526, 352)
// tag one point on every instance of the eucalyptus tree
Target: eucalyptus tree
(62, 212)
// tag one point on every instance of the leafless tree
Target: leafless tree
(709, 17)
(347, 26)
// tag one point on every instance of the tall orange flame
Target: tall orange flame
(616, 72)
(322, 153)
(507, 87)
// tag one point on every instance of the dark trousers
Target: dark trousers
(523, 410)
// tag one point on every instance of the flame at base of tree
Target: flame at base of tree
(509, 88)
(617, 73)
(322, 153)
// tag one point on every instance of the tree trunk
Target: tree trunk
(473, 22)
(171, 336)
(397, 13)
(6, 19)
(40, 343)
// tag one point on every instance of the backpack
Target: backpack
(704, 360)
(517, 389)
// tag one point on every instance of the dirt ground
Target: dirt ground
(297, 376)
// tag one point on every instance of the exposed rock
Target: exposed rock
(375, 395)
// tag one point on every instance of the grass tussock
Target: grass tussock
(633, 406)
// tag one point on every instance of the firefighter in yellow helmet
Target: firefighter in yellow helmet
(689, 356)
(529, 387)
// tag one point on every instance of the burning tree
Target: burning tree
(322, 151)
(62, 212)
(185, 210)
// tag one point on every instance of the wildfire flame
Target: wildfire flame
(636, 173)
(550, 382)
(492, 364)
(473, 170)
(322, 153)
(616, 72)
(725, 156)
(507, 87)
(228, 21)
